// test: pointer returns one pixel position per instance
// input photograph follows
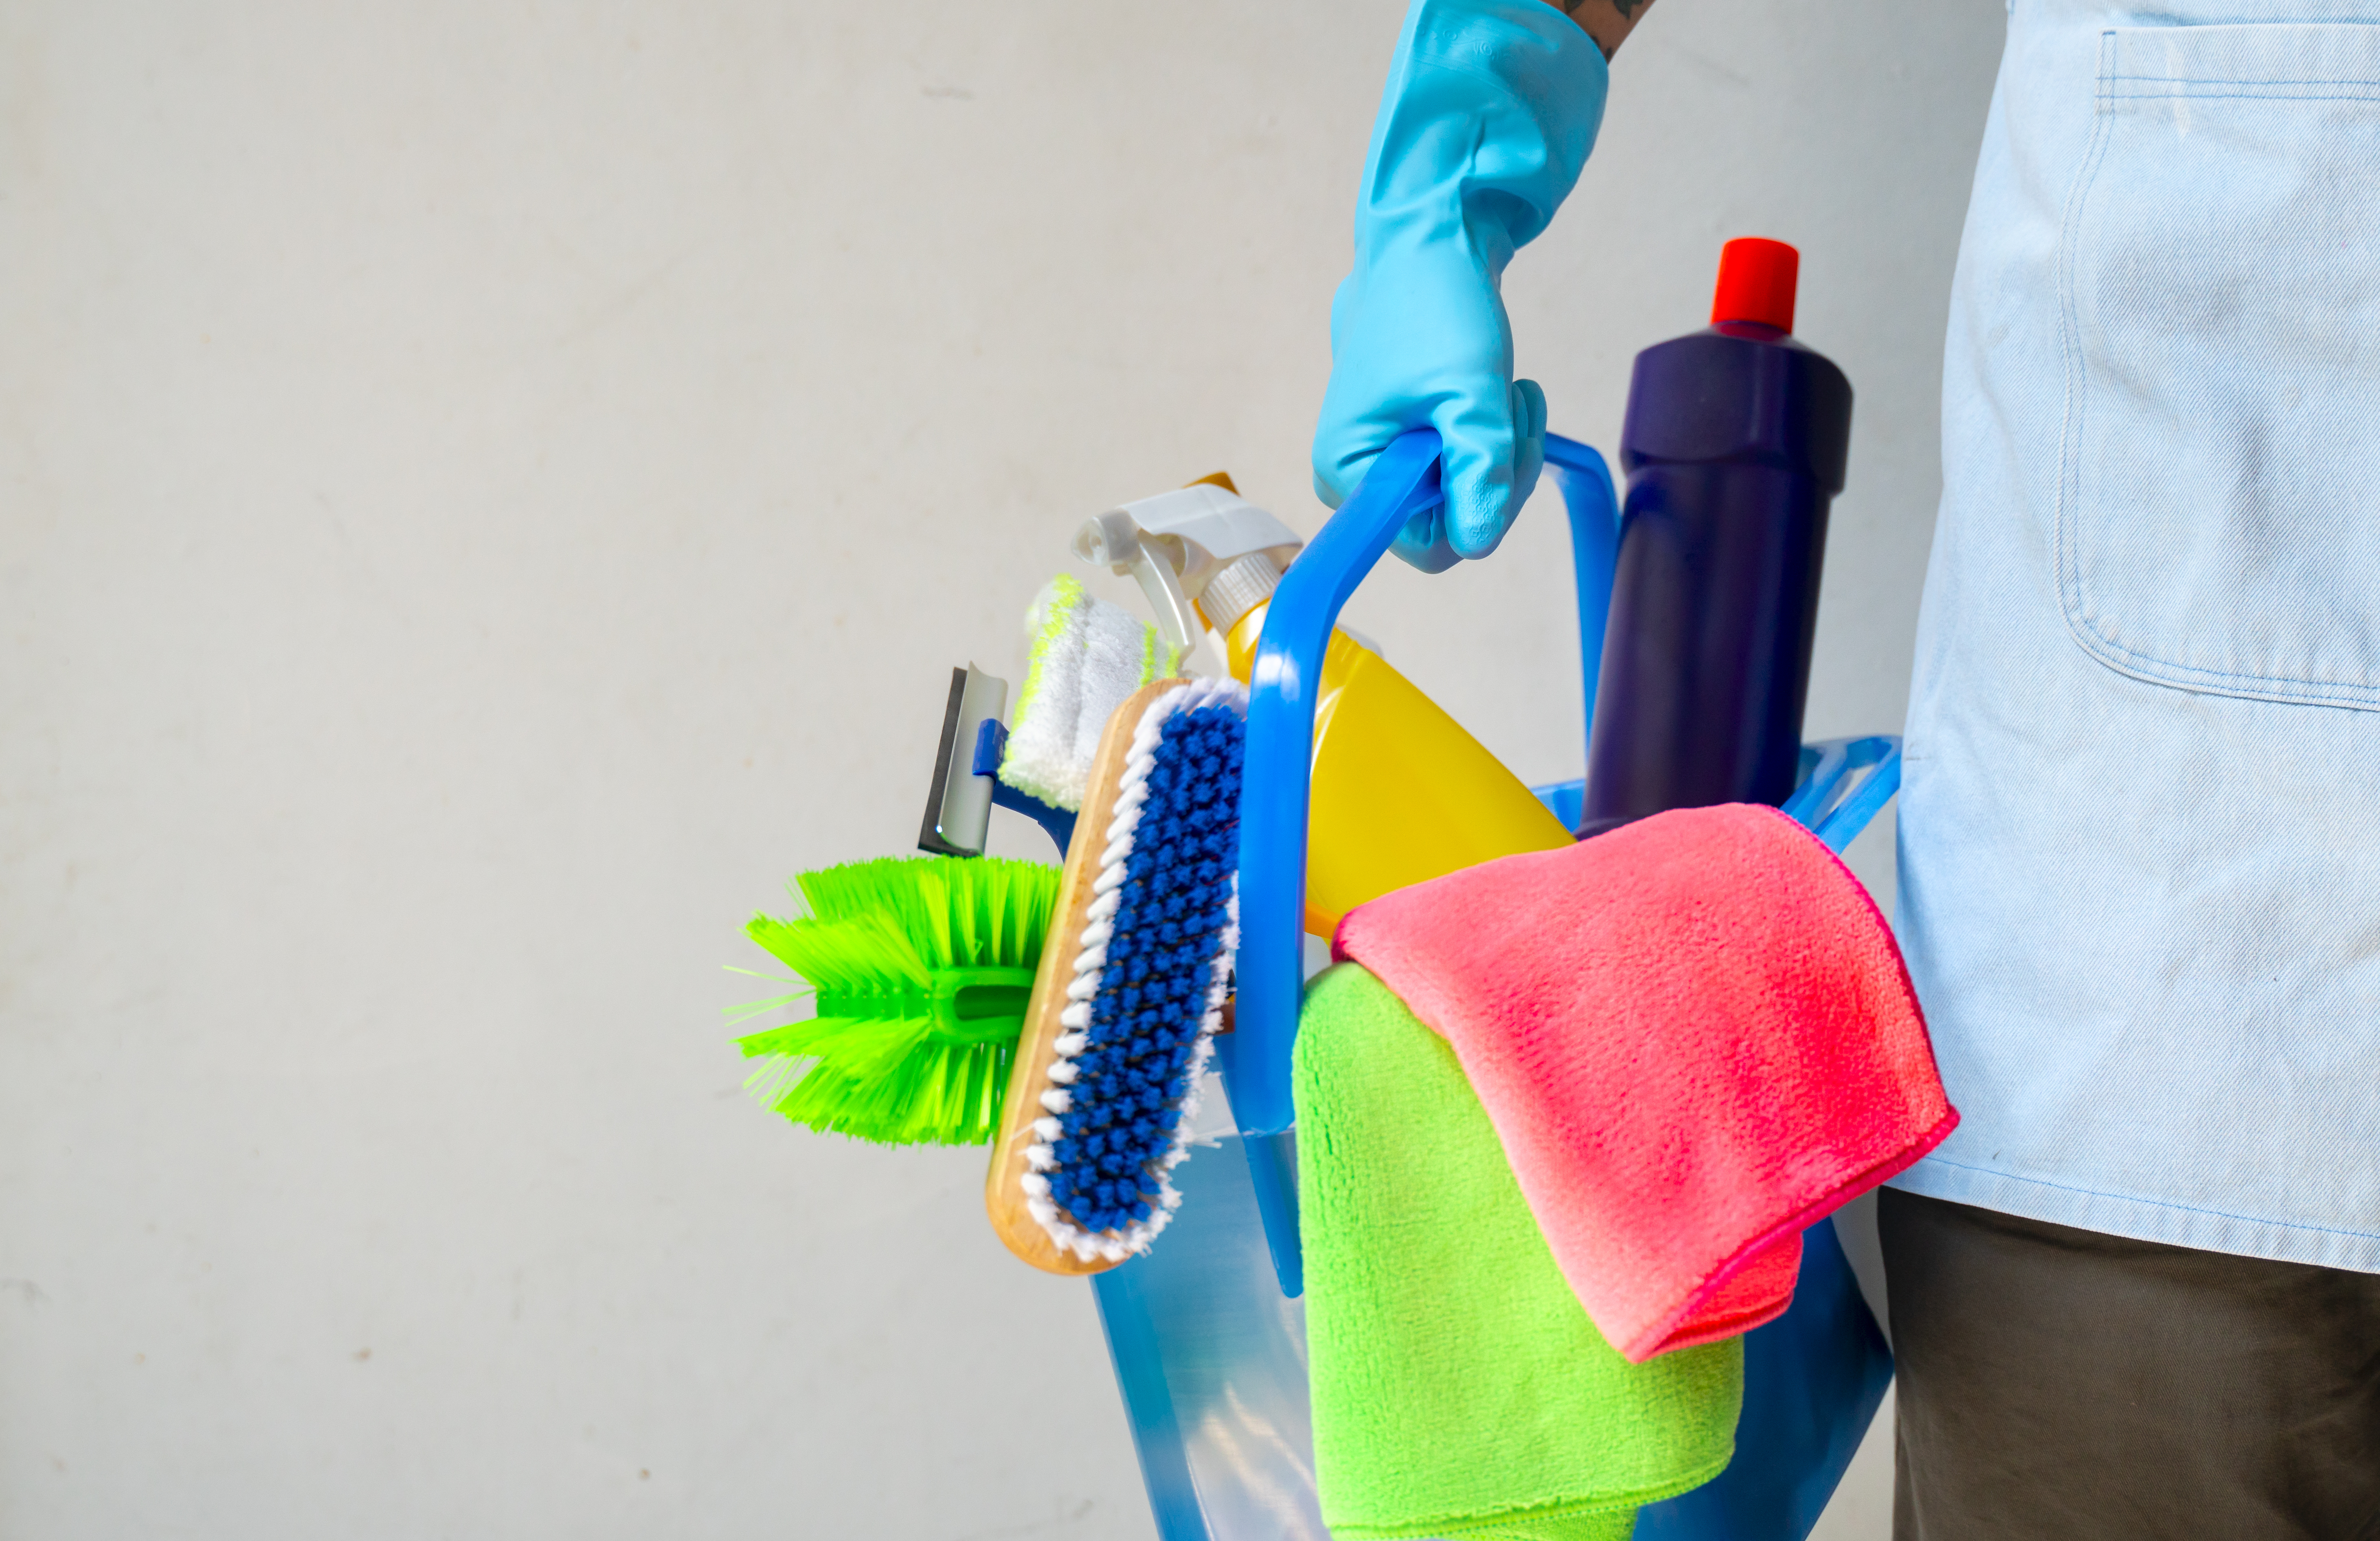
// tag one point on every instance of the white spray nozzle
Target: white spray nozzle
(1113, 537)
(1175, 542)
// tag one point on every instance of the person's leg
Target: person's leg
(2059, 1384)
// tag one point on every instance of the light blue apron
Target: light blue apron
(2140, 830)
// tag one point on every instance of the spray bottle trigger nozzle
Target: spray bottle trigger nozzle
(1176, 542)
(1117, 540)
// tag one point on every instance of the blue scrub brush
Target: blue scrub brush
(1130, 988)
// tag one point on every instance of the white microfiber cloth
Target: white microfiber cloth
(1088, 656)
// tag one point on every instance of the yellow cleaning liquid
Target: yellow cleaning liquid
(1400, 792)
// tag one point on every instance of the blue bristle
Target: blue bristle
(1130, 1078)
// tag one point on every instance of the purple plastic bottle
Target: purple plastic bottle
(1734, 446)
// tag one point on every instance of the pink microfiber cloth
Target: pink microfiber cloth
(1695, 1038)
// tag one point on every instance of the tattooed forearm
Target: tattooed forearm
(1607, 21)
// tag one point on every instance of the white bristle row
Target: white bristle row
(1090, 959)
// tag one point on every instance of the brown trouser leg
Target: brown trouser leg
(2059, 1385)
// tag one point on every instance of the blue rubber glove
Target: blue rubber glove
(1490, 109)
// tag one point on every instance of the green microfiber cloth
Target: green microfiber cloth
(1459, 1388)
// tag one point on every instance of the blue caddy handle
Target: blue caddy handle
(1280, 759)
(1402, 483)
(1273, 805)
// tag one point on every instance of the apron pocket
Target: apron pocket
(2218, 518)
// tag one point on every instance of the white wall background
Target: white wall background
(488, 488)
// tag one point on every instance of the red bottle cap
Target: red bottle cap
(1756, 279)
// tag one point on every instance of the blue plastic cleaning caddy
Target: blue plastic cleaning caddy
(1206, 1330)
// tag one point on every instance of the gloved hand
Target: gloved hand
(1490, 109)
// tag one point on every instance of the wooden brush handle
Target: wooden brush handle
(1028, 1076)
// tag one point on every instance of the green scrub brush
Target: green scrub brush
(921, 968)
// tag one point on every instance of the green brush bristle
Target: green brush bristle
(921, 966)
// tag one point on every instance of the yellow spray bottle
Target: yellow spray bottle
(1402, 793)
